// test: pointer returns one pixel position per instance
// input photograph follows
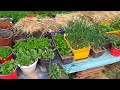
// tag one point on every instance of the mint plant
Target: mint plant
(5, 52)
(7, 67)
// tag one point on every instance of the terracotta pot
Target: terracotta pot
(9, 58)
(107, 45)
(6, 25)
(6, 38)
(29, 69)
(115, 52)
(65, 60)
(32, 15)
(13, 75)
(97, 52)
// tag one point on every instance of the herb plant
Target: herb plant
(56, 72)
(78, 33)
(115, 25)
(61, 45)
(46, 54)
(115, 40)
(5, 52)
(32, 43)
(7, 67)
(26, 58)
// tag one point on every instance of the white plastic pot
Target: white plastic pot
(29, 69)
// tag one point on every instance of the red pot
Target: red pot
(6, 25)
(9, 58)
(115, 52)
(13, 75)
(31, 15)
(6, 41)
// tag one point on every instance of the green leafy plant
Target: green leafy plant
(56, 72)
(5, 52)
(26, 57)
(115, 40)
(46, 54)
(78, 33)
(61, 45)
(32, 43)
(115, 25)
(7, 67)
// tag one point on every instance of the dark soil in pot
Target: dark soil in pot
(97, 52)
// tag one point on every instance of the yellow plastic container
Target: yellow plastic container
(113, 32)
(80, 53)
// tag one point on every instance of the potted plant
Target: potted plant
(111, 26)
(8, 70)
(63, 50)
(56, 72)
(97, 41)
(32, 43)
(5, 54)
(97, 50)
(77, 37)
(115, 49)
(27, 60)
(46, 55)
(6, 38)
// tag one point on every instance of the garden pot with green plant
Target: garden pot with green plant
(27, 60)
(115, 48)
(113, 27)
(97, 41)
(77, 37)
(63, 50)
(8, 70)
(5, 54)
(55, 71)
(46, 56)
(97, 50)
(6, 38)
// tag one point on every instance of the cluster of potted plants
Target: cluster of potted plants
(29, 51)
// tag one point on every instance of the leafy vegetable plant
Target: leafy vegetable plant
(32, 43)
(56, 72)
(25, 57)
(46, 54)
(5, 52)
(61, 45)
(7, 67)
